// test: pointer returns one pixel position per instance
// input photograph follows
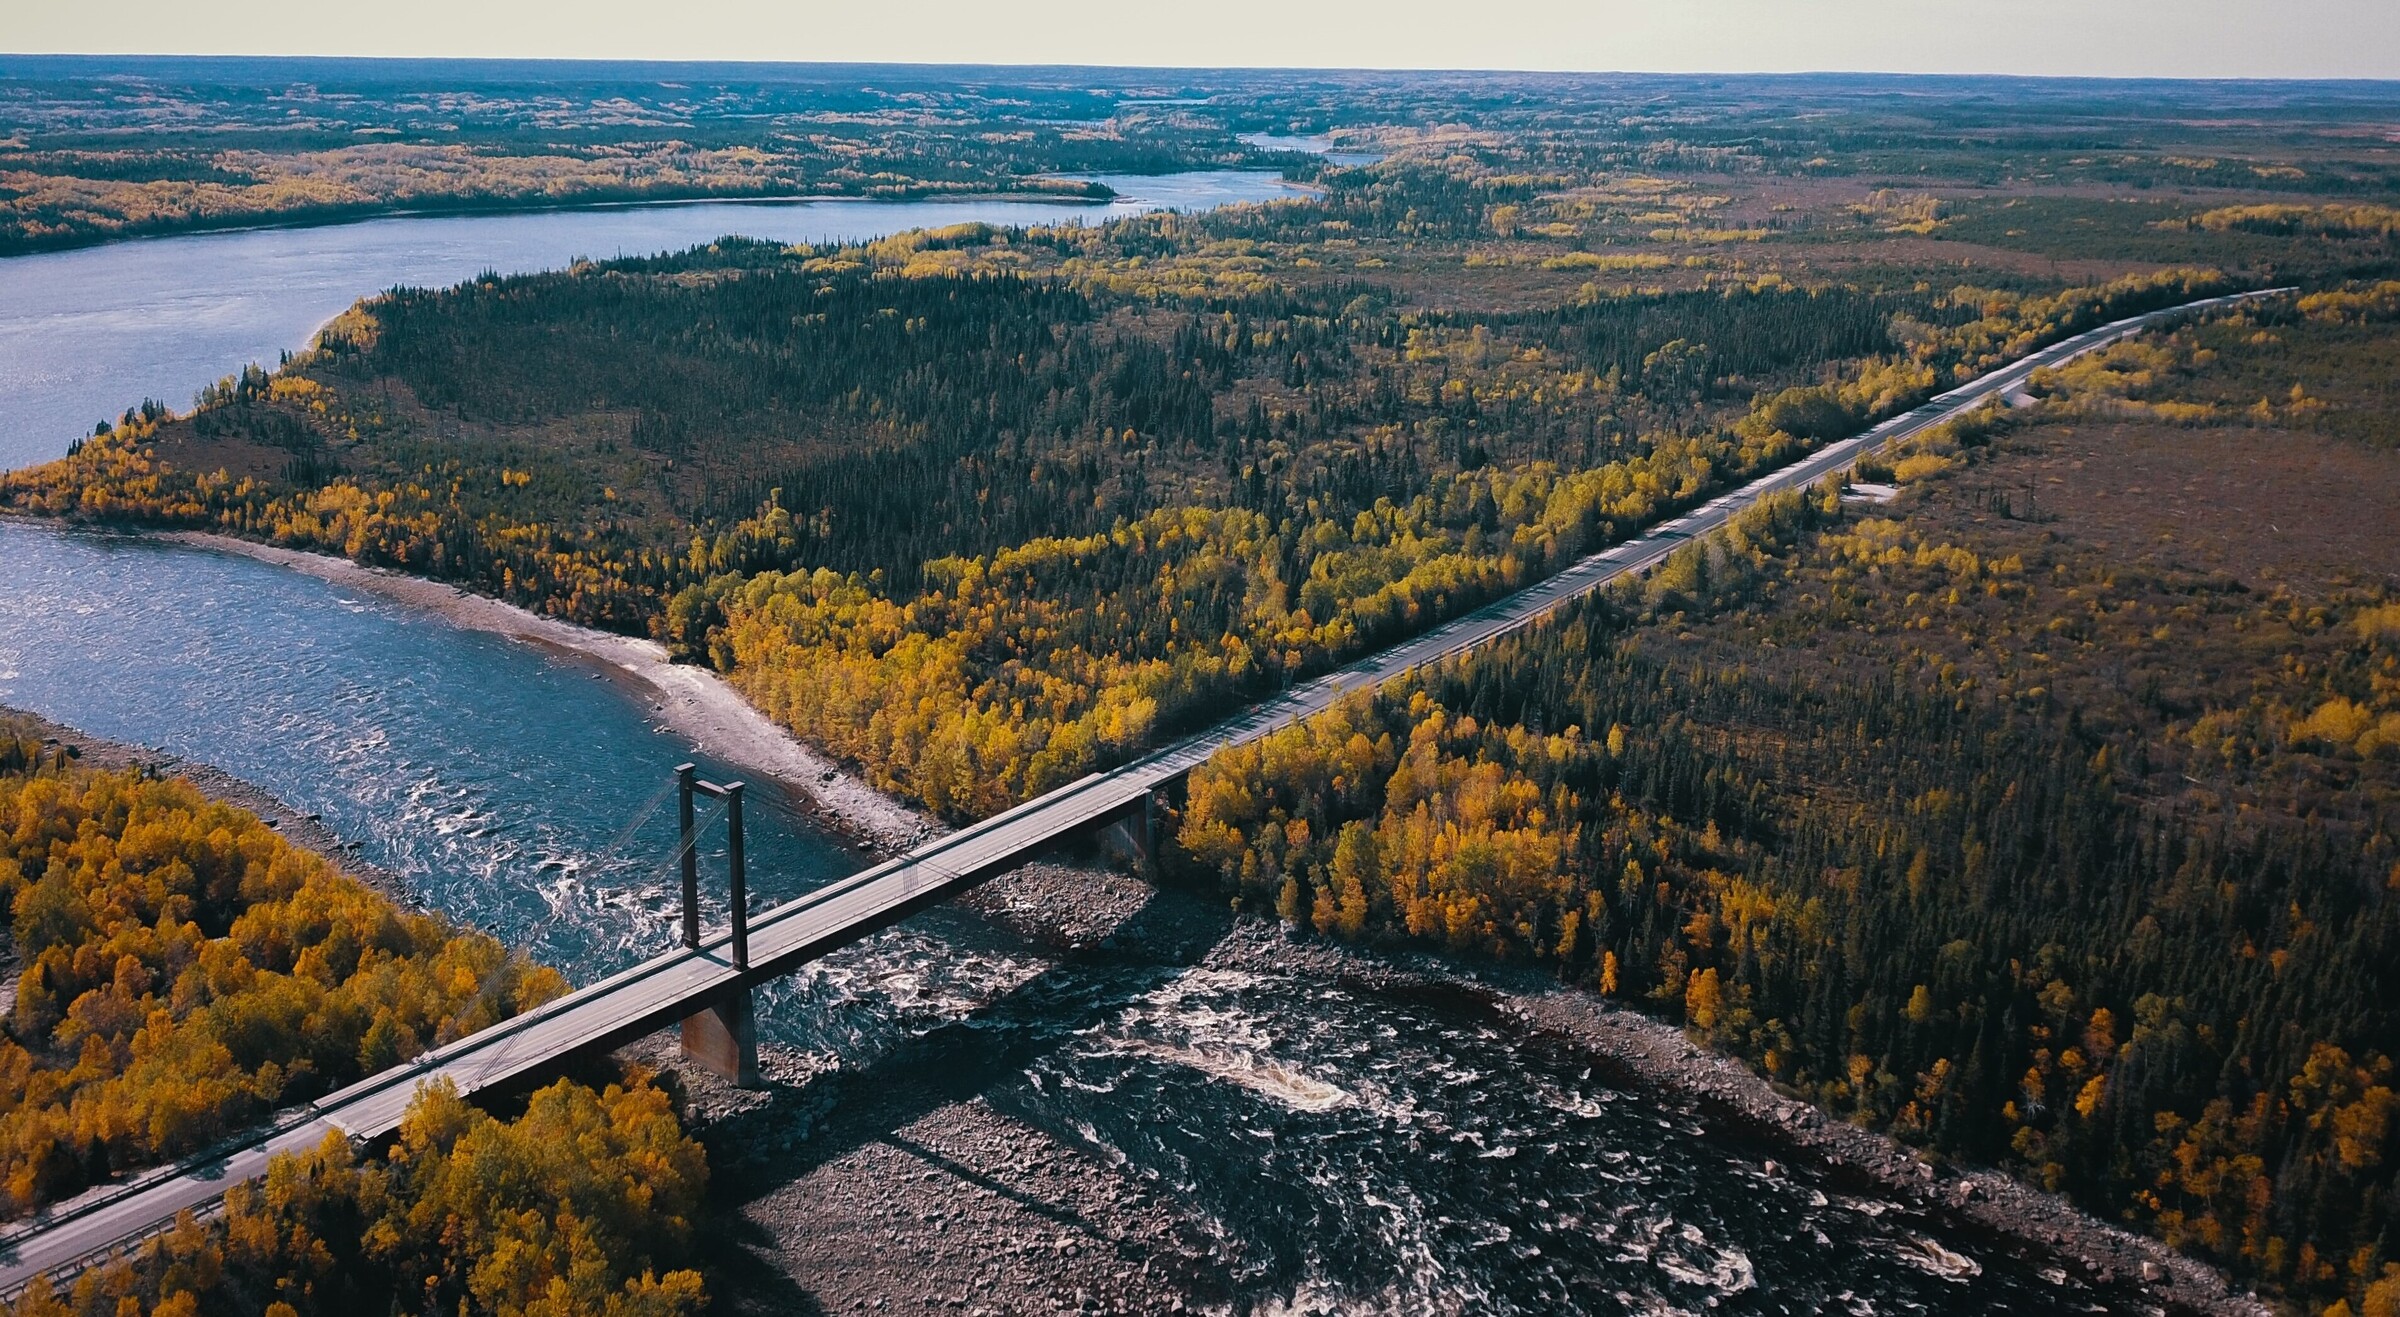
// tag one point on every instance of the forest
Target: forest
(2035, 847)
(103, 149)
(1075, 535)
(2003, 817)
(181, 971)
(111, 147)
(987, 509)
(577, 1206)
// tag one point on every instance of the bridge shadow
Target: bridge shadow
(875, 1101)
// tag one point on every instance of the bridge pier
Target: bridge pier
(723, 1040)
(1136, 835)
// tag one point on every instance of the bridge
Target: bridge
(704, 984)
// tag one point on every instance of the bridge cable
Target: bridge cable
(641, 816)
(531, 931)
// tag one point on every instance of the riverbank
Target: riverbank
(307, 831)
(895, 1183)
(900, 1185)
(1658, 1055)
(2137, 1273)
(694, 703)
(1094, 193)
(800, 1189)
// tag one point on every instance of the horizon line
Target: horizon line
(1427, 70)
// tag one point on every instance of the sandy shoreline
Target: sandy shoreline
(700, 706)
(697, 704)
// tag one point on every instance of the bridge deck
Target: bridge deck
(658, 992)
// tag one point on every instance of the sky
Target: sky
(2145, 38)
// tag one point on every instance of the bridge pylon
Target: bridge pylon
(722, 1036)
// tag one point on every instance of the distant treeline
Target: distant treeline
(122, 147)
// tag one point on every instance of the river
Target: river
(86, 333)
(1363, 1147)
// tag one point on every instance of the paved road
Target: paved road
(657, 993)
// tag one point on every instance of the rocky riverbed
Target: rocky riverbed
(893, 1190)
(898, 1188)
(855, 1178)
